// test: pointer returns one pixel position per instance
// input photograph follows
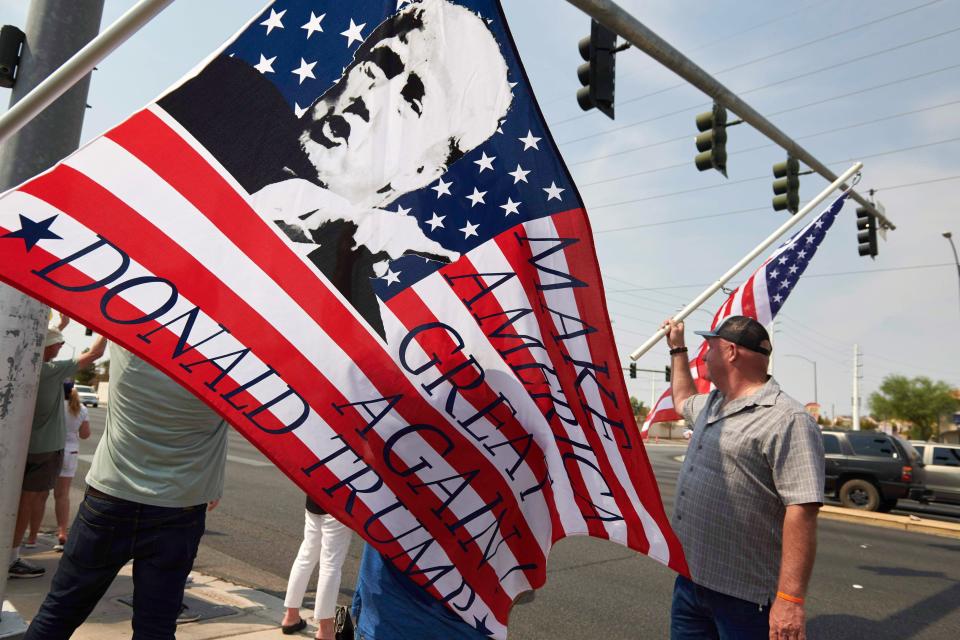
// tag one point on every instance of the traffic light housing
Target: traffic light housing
(598, 73)
(11, 45)
(633, 369)
(666, 373)
(786, 187)
(712, 142)
(866, 232)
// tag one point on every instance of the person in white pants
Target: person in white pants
(325, 542)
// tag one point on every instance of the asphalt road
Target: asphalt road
(867, 583)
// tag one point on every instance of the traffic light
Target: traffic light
(866, 232)
(633, 369)
(786, 187)
(712, 143)
(666, 373)
(598, 73)
(11, 44)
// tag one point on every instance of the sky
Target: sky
(869, 80)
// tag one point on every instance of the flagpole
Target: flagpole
(760, 248)
(78, 66)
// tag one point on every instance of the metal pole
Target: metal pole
(855, 412)
(73, 70)
(55, 30)
(612, 16)
(949, 237)
(735, 269)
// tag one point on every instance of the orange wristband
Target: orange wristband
(789, 598)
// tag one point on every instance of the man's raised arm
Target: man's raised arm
(90, 356)
(681, 381)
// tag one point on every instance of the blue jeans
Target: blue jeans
(699, 613)
(108, 532)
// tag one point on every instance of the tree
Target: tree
(640, 410)
(920, 401)
(86, 375)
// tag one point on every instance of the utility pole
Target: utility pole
(55, 30)
(855, 412)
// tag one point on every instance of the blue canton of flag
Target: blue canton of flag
(787, 264)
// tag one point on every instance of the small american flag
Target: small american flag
(761, 297)
(350, 232)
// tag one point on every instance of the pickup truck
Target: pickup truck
(870, 470)
(942, 465)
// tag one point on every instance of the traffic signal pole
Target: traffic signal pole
(55, 30)
(614, 17)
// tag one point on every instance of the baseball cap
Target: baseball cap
(53, 337)
(743, 331)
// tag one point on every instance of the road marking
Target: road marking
(247, 461)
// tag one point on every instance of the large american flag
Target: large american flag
(761, 297)
(430, 360)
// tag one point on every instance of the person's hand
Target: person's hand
(64, 321)
(787, 621)
(213, 504)
(674, 333)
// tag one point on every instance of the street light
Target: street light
(813, 362)
(949, 237)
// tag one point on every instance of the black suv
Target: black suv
(871, 470)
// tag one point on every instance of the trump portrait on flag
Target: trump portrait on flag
(410, 104)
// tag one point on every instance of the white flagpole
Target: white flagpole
(735, 269)
(82, 63)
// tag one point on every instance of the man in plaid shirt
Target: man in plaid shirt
(748, 494)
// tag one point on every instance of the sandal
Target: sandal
(290, 629)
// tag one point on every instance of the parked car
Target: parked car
(871, 470)
(87, 395)
(942, 466)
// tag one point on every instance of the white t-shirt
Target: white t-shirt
(73, 422)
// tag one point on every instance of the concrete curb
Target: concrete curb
(913, 524)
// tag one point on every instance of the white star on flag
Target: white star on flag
(273, 22)
(783, 260)
(553, 191)
(486, 162)
(436, 221)
(793, 269)
(519, 175)
(353, 33)
(305, 70)
(530, 142)
(778, 298)
(392, 277)
(401, 211)
(470, 230)
(265, 65)
(442, 188)
(510, 207)
(298, 110)
(313, 24)
(476, 197)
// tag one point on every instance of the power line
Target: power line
(743, 180)
(765, 57)
(915, 184)
(805, 276)
(701, 105)
(771, 144)
(682, 220)
(686, 164)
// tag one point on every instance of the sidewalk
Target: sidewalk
(226, 610)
